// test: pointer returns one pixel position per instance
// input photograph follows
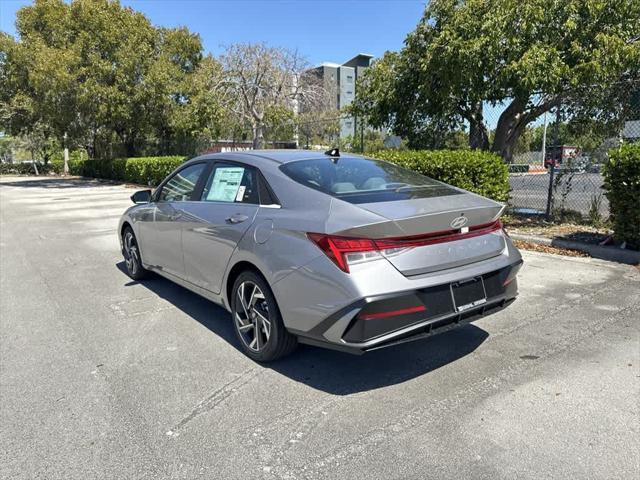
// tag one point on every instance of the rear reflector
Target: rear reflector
(345, 250)
(392, 313)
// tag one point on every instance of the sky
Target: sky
(321, 30)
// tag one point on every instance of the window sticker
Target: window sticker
(225, 184)
(240, 195)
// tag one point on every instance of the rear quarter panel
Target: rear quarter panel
(274, 246)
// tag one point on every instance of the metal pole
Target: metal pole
(66, 155)
(544, 139)
(552, 166)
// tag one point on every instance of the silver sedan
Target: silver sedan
(334, 250)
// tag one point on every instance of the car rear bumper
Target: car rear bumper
(366, 324)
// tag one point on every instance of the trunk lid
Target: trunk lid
(461, 225)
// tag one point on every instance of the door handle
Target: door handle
(236, 218)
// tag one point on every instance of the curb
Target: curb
(612, 254)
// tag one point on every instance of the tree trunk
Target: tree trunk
(130, 146)
(258, 135)
(507, 135)
(478, 135)
(510, 125)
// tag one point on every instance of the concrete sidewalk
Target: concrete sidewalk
(103, 377)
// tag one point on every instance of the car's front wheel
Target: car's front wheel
(257, 320)
(131, 252)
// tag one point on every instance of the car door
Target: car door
(216, 224)
(162, 237)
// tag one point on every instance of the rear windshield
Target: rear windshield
(364, 180)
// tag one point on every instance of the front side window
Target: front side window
(363, 180)
(181, 186)
(231, 183)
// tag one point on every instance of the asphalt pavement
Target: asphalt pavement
(102, 377)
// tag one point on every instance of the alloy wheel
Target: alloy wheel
(131, 254)
(252, 316)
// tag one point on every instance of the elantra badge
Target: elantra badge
(459, 222)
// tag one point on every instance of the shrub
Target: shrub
(595, 218)
(150, 170)
(143, 170)
(26, 168)
(622, 186)
(480, 172)
(75, 167)
(112, 169)
(518, 168)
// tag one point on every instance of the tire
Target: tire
(131, 253)
(257, 320)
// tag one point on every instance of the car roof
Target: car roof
(278, 156)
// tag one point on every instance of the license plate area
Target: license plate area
(468, 294)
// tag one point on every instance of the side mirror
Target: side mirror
(142, 196)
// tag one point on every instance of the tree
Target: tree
(200, 116)
(528, 56)
(263, 82)
(107, 78)
(7, 145)
(319, 126)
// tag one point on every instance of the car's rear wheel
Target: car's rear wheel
(257, 320)
(131, 252)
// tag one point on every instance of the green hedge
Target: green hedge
(75, 167)
(480, 172)
(150, 170)
(518, 168)
(143, 170)
(27, 169)
(622, 186)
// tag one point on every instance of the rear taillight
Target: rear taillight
(345, 251)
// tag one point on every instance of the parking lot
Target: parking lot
(104, 377)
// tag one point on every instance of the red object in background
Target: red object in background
(557, 155)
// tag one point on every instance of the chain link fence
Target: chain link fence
(566, 183)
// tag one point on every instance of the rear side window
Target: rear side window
(363, 180)
(231, 183)
(181, 186)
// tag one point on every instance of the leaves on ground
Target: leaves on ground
(535, 247)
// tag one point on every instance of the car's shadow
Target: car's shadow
(328, 370)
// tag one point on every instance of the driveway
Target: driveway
(104, 377)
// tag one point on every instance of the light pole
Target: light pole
(544, 139)
(66, 155)
(552, 165)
